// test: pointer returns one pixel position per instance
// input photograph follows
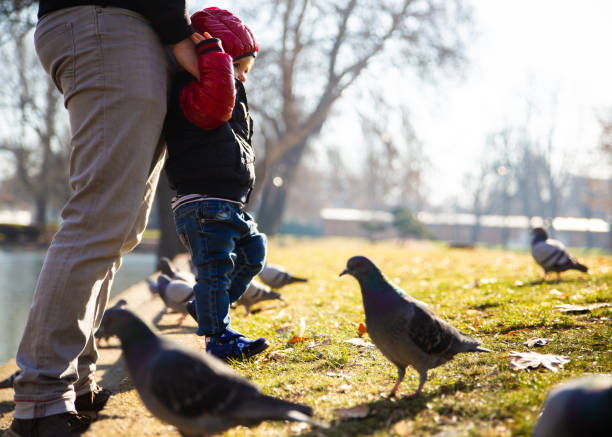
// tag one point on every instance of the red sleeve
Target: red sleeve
(210, 102)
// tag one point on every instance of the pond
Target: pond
(19, 271)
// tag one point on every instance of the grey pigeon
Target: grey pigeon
(8, 382)
(100, 334)
(176, 294)
(197, 393)
(551, 254)
(257, 292)
(168, 268)
(576, 408)
(405, 330)
(276, 276)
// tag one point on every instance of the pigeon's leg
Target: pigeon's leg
(182, 319)
(422, 379)
(401, 372)
(558, 276)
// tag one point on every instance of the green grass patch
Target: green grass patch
(494, 295)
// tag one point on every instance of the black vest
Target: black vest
(216, 163)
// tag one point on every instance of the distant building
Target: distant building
(459, 228)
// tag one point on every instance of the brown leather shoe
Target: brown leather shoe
(57, 425)
(92, 401)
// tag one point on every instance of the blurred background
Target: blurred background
(461, 121)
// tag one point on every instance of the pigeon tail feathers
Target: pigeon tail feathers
(268, 407)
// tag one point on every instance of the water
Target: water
(18, 274)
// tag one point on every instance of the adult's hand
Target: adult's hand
(185, 54)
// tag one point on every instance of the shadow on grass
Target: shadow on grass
(384, 413)
(6, 407)
(541, 281)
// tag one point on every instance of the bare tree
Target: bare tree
(36, 141)
(394, 163)
(16, 15)
(314, 51)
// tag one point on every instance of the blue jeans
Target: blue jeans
(227, 251)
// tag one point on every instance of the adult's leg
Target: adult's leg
(87, 360)
(113, 72)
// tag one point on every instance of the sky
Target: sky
(549, 55)
(552, 53)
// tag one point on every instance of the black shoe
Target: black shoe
(234, 345)
(92, 401)
(57, 425)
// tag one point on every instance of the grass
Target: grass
(493, 295)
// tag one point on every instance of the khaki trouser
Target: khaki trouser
(114, 74)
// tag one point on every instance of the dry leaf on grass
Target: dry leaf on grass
(283, 329)
(362, 329)
(516, 331)
(581, 309)
(536, 342)
(280, 355)
(533, 360)
(359, 342)
(357, 412)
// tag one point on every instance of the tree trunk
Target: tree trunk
(169, 244)
(40, 218)
(274, 198)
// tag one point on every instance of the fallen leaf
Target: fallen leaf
(403, 428)
(282, 313)
(555, 292)
(320, 341)
(357, 412)
(280, 355)
(533, 360)
(535, 342)
(515, 331)
(283, 329)
(362, 329)
(359, 342)
(345, 388)
(297, 339)
(581, 309)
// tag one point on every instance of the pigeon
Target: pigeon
(176, 294)
(8, 382)
(276, 276)
(551, 254)
(256, 292)
(100, 334)
(405, 330)
(197, 393)
(578, 407)
(167, 267)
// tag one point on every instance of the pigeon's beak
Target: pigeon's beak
(344, 272)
